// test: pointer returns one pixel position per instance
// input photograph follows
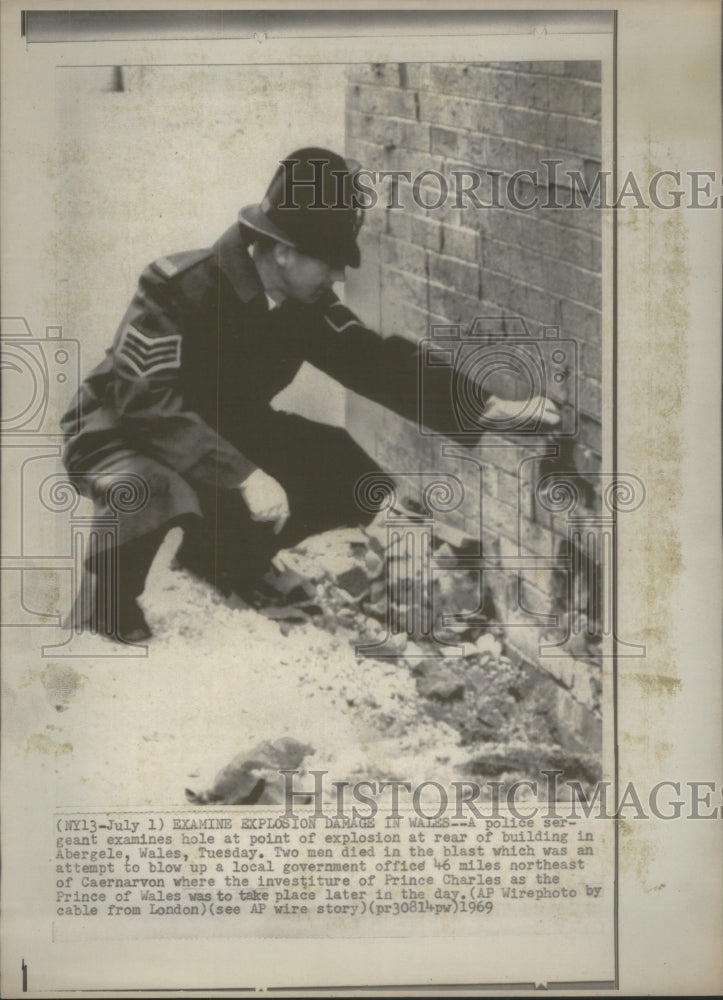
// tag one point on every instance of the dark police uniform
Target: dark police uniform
(182, 399)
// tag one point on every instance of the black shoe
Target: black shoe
(132, 626)
(195, 560)
(86, 616)
(186, 559)
(199, 561)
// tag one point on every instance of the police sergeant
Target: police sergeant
(181, 401)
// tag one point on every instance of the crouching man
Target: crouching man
(181, 402)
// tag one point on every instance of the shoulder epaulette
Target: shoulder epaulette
(340, 318)
(176, 263)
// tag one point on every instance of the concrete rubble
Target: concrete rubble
(501, 719)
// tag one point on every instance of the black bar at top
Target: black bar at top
(118, 25)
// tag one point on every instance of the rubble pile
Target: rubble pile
(253, 778)
(351, 583)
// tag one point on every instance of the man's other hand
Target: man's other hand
(505, 409)
(266, 499)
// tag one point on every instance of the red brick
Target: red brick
(494, 222)
(547, 66)
(508, 294)
(526, 126)
(546, 579)
(590, 433)
(569, 216)
(538, 540)
(470, 186)
(501, 516)
(353, 124)
(580, 322)
(559, 175)
(589, 69)
(367, 153)
(387, 101)
(404, 256)
(452, 305)
(445, 141)
(461, 243)
(543, 308)
(455, 274)
(505, 455)
(586, 460)
(405, 319)
(380, 73)
(583, 137)
(374, 222)
(532, 600)
(418, 75)
(508, 489)
(572, 282)
(583, 247)
(392, 133)
(489, 118)
(591, 396)
(353, 94)
(532, 91)
(490, 481)
(520, 67)
(458, 79)
(473, 148)
(512, 260)
(451, 112)
(591, 101)
(421, 231)
(590, 359)
(405, 286)
(565, 96)
(412, 162)
(502, 154)
(496, 85)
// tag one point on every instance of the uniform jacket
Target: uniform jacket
(199, 356)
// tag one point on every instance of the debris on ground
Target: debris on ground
(466, 708)
(253, 778)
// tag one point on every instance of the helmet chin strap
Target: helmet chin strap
(270, 271)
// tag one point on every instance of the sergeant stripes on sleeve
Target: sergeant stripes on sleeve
(147, 355)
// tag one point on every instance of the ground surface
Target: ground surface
(220, 678)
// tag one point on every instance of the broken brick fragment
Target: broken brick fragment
(354, 581)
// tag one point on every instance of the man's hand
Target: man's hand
(505, 409)
(266, 499)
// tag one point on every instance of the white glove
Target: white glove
(501, 409)
(266, 499)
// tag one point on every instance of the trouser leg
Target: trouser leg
(136, 502)
(113, 578)
(317, 465)
(226, 547)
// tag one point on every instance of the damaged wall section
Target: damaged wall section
(532, 273)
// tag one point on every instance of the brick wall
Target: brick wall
(529, 269)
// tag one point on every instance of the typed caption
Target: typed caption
(250, 873)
